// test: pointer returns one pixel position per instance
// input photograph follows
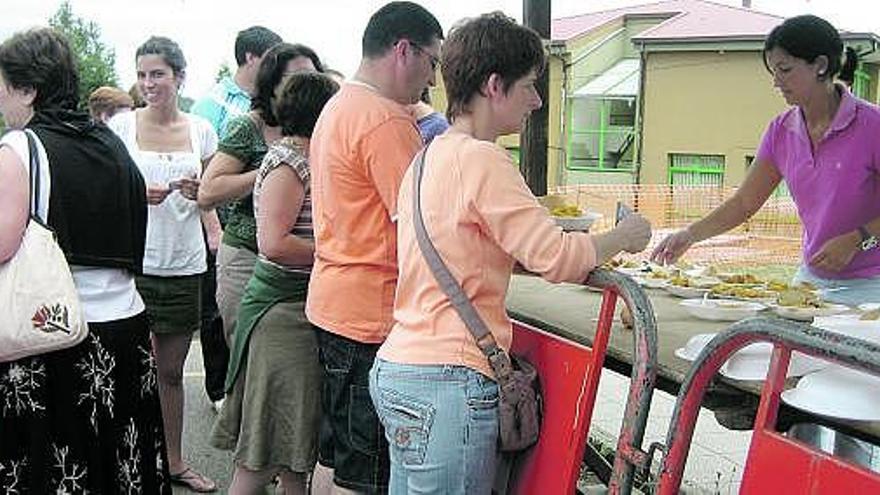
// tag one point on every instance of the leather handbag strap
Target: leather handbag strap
(498, 359)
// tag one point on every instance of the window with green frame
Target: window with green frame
(781, 190)
(695, 170)
(601, 134)
(861, 83)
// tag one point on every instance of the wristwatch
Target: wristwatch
(869, 241)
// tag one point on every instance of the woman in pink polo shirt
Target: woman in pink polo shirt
(827, 150)
(430, 381)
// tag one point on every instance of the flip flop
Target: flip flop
(194, 481)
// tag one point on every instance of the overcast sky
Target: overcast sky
(206, 29)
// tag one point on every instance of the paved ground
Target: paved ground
(714, 466)
(198, 421)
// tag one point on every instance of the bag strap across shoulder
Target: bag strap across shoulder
(33, 176)
(498, 359)
(34, 166)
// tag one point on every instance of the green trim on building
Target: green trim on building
(694, 169)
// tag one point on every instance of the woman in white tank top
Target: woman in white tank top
(170, 148)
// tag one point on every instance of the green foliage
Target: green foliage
(184, 103)
(224, 71)
(94, 59)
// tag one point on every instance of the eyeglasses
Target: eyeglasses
(435, 60)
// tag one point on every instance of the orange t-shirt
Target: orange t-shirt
(361, 147)
(481, 217)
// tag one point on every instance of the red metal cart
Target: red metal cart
(775, 463)
(570, 378)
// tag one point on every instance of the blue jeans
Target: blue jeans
(441, 422)
(851, 292)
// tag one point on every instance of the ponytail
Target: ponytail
(850, 64)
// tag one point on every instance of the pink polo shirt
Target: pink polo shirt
(836, 188)
(481, 217)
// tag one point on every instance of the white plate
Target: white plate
(685, 292)
(653, 283)
(752, 363)
(578, 224)
(850, 324)
(807, 314)
(721, 309)
(694, 346)
(837, 392)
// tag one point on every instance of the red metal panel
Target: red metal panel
(553, 465)
(782, 465)
(775, 463)
(771, 467)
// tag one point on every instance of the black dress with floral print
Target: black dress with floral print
(85, 419)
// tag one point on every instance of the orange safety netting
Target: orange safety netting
(771, 237)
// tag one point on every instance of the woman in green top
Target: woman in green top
(229, 178)
(271, 415)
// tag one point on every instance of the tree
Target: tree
(224, 71)
(96, 61)
(185, 103)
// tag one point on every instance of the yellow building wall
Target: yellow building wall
(712, 103)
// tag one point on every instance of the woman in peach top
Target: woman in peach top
(432, 386)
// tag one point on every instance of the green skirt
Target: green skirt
(268, 286)
(174, 304)
(271, 414)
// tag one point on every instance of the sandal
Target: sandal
(194, 481)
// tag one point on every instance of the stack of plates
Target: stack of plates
(751, 362)
(837, 392)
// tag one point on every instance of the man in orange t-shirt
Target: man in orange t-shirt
(362, 144)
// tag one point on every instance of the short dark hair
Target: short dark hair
(489, 44)
(271, 73)
(166, 48)
(301, 101)
(254, 40)
(808, 37)
(41, 59)
(396, 21)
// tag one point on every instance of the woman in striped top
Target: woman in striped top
(270, 416)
